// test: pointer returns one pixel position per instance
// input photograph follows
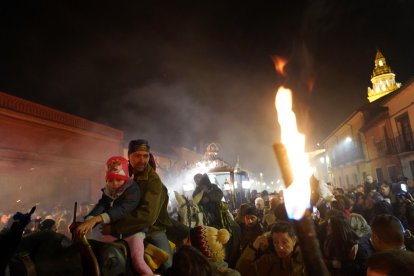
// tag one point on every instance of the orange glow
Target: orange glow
(297, 195)
(280, 64)
(311, 84)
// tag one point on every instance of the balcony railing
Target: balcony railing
(396, 145)
(386, 147)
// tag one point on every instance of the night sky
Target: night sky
(186, 74)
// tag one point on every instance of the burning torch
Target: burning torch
(296, 172)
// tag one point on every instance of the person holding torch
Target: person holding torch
(283, 257)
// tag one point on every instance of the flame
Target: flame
(297, 195)
(280, 64)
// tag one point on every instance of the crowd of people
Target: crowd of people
(363, 231)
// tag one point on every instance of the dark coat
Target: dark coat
(211, 201)
(152, 209)
(349, 266)
(121, 206)
(270, 264)
(249, 234)
(371, 186)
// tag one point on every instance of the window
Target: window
(392, 173)
(412, 168)
(380, 175)
(405, 138)
(387, 140)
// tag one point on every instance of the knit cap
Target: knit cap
(138, 145)
(117, 168)
(210, 241)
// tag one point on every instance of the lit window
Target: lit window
(380, 63)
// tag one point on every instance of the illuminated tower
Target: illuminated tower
(382, 79)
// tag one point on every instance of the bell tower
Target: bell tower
(382, 79)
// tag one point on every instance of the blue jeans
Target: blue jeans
(160, 240)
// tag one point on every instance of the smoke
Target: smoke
(183, 75)
(50, 161)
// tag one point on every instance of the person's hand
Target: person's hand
(261, 242)
(106, 229)
(73, 226)
(85, 227)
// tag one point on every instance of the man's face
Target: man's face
(250, 220)
(283, 244)
(139, 160)
(385, 190)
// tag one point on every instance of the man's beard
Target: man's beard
(139, 168)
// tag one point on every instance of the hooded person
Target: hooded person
(251, 227)
(211, 200)
(210, 242)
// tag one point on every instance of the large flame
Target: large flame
(297, 195)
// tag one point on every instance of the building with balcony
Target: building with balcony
(346, 154)
(377, 138)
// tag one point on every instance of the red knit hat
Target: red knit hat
(117, 168)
